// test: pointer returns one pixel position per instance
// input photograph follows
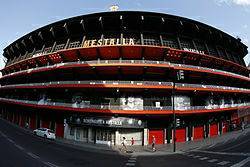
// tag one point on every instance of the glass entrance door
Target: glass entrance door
(105, 137)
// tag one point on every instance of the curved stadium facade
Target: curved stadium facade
(100, 77)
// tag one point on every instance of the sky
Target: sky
(19, 17)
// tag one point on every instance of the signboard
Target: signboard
(131, 103)
(182, 102)
(194, 50)
(118, 122)
(108, 42)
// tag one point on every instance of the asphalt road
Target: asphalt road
(19, 148)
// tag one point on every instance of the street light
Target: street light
(180, 76)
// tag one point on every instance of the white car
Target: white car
(44, 132)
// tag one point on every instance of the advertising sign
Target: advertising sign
(118, 122)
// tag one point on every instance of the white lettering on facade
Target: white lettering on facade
(108, 42)
(194, 50)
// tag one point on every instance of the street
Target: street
(21, 148)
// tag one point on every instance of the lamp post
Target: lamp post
(174, 119)
(180, 76)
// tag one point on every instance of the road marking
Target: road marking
(131, 161)
(197, 156)
(223, 153)
(236, 145)
(50, 164)
(204, 158)
(21, 148)
(190, 155)
(211, 145)
(33, 155)
(241, 163)
(10, 140)
(223, 163)
(212, 160)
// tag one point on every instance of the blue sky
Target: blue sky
(18, 17)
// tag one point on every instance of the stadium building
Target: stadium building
(99, 77)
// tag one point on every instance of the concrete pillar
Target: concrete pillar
(192, 138)
(187, 133)
(145, 137)
(66, 129)
(90, 135)
(165, 136)
(117, 138)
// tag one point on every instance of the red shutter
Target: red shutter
(158, 134)
(32, 122)
(45, 123)
(198, 132)
(213, 129)
(181, 135)
(59, 129)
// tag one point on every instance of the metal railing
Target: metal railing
(151, 83)
(210, 86)
(128, 62)
(75, 44)
(117, 107)
(93, 82)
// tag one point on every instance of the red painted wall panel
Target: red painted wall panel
(60, 129)
(213, 129)
(181, 135)
(45, 123)
(22, 123)
(198, 132)
(159, 136)
(32, 122)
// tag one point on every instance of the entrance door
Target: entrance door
(158, 134)
(105, 137)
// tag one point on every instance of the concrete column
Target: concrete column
(145, 137)
(117, 138)
(218, 128)
(187, 133)
(165, 136)
(66, 127)
(192, 138)
(90, 135)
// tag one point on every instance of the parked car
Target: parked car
(45, 132)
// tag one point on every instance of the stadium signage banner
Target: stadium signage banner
(108, 42)
(118, 122)
(194, 50)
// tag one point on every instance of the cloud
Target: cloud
(242, 2)
(235, 2)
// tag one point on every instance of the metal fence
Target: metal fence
(128, 62)
(117, 107)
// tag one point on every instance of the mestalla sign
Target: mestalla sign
(108, 42)
(118, 122)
